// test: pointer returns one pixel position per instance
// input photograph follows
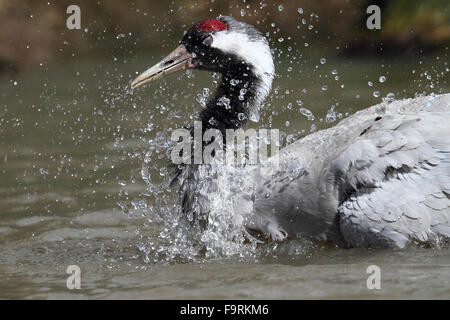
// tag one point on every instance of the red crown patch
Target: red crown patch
(210, 25)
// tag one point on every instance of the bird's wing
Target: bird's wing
(395, 180)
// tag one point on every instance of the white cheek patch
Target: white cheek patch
(255, 53)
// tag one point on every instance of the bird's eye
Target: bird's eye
(208, 41)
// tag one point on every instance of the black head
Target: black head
(218, 45)
(235, 49)
(199, 41)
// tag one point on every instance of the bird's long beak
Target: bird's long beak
(178, 59)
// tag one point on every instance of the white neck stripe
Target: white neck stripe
(255, 53)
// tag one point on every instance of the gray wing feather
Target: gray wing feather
(397, 177)
(380, 177)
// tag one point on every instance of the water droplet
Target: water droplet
(242, 12)
(307, 113)
(389, 97)
(212, 121)
(382, 79)
(224, 102)
(370, 83)
(280, 7)
(324, 88)
(201, 100)
(323, 60)
(300, 10)
(331, 116)
(376, 94)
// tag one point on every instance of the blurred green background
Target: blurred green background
(34, 31)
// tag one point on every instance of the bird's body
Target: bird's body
(379, 178)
